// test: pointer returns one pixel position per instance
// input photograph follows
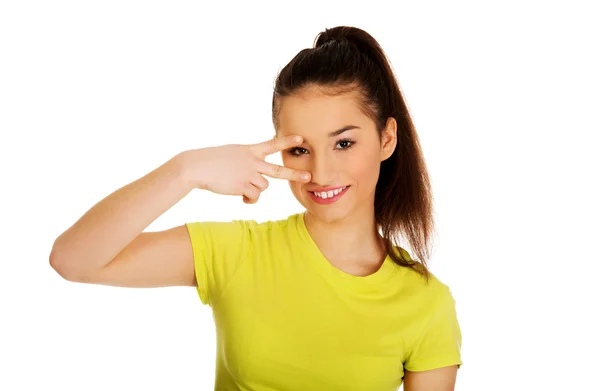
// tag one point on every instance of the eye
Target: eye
(345, 144)
(297, 151)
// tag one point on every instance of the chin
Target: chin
(326, 214)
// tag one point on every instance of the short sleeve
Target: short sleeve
(219, 249)
(439, 343)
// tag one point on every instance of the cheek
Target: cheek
(291, 162)
(365, 170)
(295, 187)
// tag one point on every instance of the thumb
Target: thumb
(248, 201)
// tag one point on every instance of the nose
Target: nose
(322, 170)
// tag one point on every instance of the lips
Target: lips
(329, 196)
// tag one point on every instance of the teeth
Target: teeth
(328, 194)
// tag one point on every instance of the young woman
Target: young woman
(320, 300)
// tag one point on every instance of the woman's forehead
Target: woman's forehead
(320, 114)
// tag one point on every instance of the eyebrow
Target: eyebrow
(342, 130)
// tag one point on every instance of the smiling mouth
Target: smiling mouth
(328, 194)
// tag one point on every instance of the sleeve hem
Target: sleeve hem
(199, 267)
(435, 363)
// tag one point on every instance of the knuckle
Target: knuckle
(276, 170)
(272, 144)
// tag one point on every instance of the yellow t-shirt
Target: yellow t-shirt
(287, 319)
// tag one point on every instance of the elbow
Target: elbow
(68, 265)
(61, 263)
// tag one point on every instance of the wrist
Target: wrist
(183, 164)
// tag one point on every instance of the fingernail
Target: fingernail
(297, 139)
(305, 177)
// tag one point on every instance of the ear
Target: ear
(389, 138)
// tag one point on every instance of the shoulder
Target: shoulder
(439, 295)
(417, 284)
(436, 337)
(430, 296)
(249, 225)
(287, 225)
(246, 230)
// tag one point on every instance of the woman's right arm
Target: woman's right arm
(107, 244)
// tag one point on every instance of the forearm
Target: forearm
(114, 222)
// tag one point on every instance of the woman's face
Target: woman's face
(342, 150)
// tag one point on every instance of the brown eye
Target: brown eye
(345, 144)
(297, 151)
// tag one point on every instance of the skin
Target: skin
(345, 231)
(108, 245)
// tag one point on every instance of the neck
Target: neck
(352, 240)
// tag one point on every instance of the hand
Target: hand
(235, 169)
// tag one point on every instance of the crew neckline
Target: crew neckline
(387, 269)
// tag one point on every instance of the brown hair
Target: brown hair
(347, 58)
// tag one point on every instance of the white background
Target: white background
(505, 99)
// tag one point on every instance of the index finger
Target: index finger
(277, 144)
